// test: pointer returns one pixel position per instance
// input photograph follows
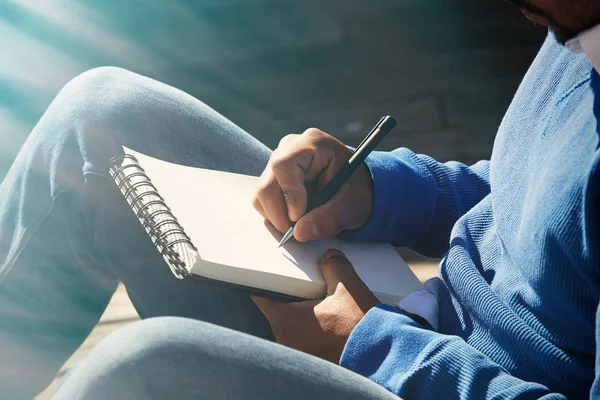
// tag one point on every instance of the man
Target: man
(519, 235)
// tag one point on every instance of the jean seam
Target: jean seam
(28, 233)
(69, 243)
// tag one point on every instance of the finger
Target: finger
(336, 269)
(258, 207)
(272, 203)
(268, 307)
(289, 169)
(328, 220)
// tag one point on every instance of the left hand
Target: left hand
(322, 328)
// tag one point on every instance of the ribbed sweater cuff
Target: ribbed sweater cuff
(404, 199)
(385, 342)
(392, 350)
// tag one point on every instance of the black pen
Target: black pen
(383, 127)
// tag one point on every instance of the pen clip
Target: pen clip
(370, 133)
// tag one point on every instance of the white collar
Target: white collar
(588, 42)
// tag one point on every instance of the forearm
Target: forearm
(397, 353)
(417, 200)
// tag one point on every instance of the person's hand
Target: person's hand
(281, 196)
(322, 328)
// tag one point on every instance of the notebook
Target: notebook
(204, 225)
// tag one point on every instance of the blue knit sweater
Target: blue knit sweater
(520, 238)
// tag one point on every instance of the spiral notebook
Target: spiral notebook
(203, 223)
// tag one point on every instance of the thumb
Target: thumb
(327, 220)
(336, 268)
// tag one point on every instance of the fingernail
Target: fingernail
(309, 231)
(333, 253)
(315, 231)
(293, 214)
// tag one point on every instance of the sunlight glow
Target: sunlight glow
(27, 54)
(89, 26)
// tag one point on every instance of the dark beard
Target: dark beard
(562, 34)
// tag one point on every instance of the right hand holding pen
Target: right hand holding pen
(281, 197)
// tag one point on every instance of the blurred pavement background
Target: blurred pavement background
(445, 69)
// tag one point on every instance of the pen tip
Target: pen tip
(287, 236)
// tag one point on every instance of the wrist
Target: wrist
(366, 197)
(404, 195)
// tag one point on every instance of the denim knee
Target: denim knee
(146, 359)
(92, 115)
(147, 338)
(95, 98)
(95, 86)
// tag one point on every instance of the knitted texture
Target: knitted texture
(520, 235)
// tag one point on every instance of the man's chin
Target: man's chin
(562, 35)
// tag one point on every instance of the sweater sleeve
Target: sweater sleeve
(418, 200)
(595, 392)
(392, 350)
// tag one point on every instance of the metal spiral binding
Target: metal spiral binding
(153, 213)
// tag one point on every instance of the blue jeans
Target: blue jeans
(67, 238)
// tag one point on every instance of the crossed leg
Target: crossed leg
(67, 238)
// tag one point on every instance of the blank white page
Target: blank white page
(215, 209)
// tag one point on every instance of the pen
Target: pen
(383, 127)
